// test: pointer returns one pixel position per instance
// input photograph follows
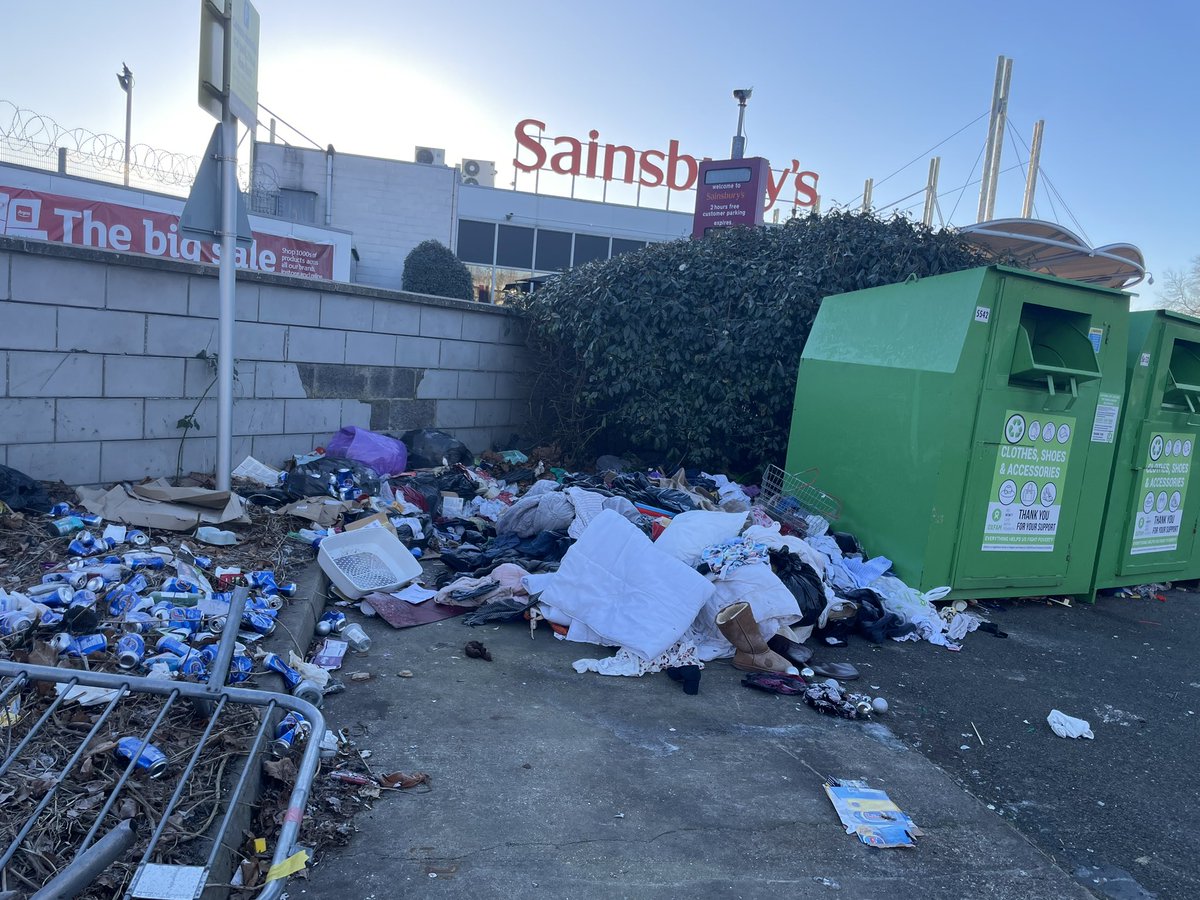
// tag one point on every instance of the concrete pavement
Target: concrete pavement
(549, 783)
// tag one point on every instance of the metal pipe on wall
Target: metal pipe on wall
(329, 151)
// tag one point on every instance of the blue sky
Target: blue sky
(851, 89)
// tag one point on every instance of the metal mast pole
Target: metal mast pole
(998, 147)
(226, 280)
(868, 188)
(125, 79)
(991, 140)
(935, 165)
(1035, 155)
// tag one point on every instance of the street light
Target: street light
(741, 95)
(125, 80)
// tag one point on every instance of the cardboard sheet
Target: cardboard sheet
(159, 505)
(322, 511)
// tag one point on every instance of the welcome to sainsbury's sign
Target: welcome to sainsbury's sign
(649, 168)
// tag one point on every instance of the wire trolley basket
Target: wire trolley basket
(791, 499)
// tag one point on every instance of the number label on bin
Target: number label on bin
(983, 314)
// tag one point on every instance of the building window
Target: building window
(476, 241)
(553, 250)
(297, 206)
(623, 246)
(589, 247)
(514, 248)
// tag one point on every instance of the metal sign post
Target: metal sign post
(228, 89)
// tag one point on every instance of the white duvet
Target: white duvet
(618, 589)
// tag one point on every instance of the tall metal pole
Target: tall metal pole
(227, 274)
(125, 79)
(868, 188)
(998, 146)
(1035, 156)
(935, 166)
(991, 139)
(738, 148)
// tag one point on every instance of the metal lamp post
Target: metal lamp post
(125, 79)
(738, 150)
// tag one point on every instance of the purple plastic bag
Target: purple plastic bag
(385, 455)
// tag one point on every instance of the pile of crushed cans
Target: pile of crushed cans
(152, 608)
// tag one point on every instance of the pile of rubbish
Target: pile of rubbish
(668, 570)
(665, 570)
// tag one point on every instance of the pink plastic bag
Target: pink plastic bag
(385, 455)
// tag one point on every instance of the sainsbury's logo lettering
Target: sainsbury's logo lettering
(650, 168)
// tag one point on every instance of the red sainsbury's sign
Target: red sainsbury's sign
(650, 168)
(113, 226)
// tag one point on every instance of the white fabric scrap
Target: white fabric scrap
(691, 532)
(681, 653)
(1068, 726)
(731, 496)
(614, 582)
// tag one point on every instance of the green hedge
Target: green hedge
(431, 268)
(689, 349)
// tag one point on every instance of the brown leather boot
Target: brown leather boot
(736, 622)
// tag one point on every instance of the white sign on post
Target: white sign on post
(243, 69)
(243, 63)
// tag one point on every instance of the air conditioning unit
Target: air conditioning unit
(479, 171)
(430, 156)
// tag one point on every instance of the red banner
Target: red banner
(111, 226)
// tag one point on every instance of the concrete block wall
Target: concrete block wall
(99, 362)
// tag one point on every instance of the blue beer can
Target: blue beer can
(150, 760)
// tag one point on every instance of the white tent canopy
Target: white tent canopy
(1049, 248)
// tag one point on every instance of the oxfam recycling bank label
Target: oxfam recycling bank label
(1031, 471)
(1159, 512)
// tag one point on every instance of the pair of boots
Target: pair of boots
(736, 622)
(756, 655)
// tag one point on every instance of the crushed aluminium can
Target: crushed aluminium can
(87, 644)
(131, 649)
(240, 667)
(292, 729)
(150, 760)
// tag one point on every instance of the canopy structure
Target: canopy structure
(1049, 248)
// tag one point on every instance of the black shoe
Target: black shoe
(689, 675)
(797, 654)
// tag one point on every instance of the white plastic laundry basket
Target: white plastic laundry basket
(365, 560)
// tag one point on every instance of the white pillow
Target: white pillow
(690, 532)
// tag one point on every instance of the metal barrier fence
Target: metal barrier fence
(95, 853)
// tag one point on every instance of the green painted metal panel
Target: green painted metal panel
(916, 402)
(1150, 522)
